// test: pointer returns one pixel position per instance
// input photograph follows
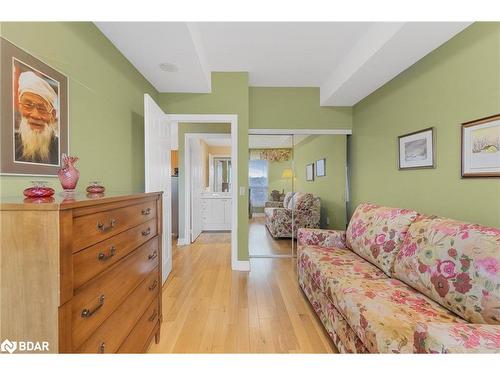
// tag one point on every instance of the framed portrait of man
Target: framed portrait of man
(34, 116)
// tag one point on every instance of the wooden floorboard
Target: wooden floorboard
(208, 308)
(261, 243)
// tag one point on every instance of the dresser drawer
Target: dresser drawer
(91, 229)
(95, 259)
(110, 334)
(138, 338)
(96, 300)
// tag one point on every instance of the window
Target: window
(258, 182)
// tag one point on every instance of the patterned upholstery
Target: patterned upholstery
(323, 264)
(344, 338)
(457, 338)
(454, 263)
(322, 237)
(445, 285)
(376, 233)
(306, 215)
(384, 312)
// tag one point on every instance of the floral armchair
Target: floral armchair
(306, 214)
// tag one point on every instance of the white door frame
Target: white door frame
(236, 265)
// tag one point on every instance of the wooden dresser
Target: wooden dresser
(82, 273)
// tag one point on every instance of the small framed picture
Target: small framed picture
(310, 172)
(320, 168)
(481, 147)
(416, 150)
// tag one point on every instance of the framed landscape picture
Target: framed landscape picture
(310, 172)
(416, 150)
(481, 147)
(34, 118)
(320, 168)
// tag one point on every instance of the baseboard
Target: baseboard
(182, 241)
(258, 214)
(241, 265)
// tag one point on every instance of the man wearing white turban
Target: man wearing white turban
(36, 139)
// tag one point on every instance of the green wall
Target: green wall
(458, 82)
(330, 188)
(294, 108)
(106, 96)
(184, 128)
(274, 172)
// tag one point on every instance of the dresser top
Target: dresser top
(64, 202)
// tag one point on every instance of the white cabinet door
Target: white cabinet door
(157, 170)
(227, 213)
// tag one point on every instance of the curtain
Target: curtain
(271, 154)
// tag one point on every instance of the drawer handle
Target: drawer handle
(86, 313)
(104, 228)
(152, 317)
(102, 347)
(153, 255)
(103, 257)
(146, 211)
(146, 232)
(153, 286)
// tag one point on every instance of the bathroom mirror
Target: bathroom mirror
(222, 174)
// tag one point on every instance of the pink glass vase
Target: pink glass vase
(68, 174)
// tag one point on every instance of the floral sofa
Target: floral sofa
(306, 214)
(400, 282)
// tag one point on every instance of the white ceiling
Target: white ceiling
(347, 60)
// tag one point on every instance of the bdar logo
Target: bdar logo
(8, 346)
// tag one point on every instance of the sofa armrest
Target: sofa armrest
(322, 237)
(457, 338)
(275, 204)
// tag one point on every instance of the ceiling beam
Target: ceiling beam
(385, 50)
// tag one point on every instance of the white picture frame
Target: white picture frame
(310, 172)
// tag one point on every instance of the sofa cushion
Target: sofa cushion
(376, 233)
(302, 201)
(384, 312)
(454, 263)
(323, 264)
(287, 199)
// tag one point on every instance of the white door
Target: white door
(157, 170)
(196, 189)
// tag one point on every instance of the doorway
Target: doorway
(207, 180)
(184, 236)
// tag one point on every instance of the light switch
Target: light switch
(242, 190)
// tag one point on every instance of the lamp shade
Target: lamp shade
(287, 173)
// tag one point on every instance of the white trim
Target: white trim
(236, 264)
(181, 241)
(301, 131)
(258, 214)
(241, 265)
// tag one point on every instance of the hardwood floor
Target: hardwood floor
(208, 308)
(262, 243)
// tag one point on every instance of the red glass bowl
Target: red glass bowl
(38, 192)
(40, 200)
(95, 188)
